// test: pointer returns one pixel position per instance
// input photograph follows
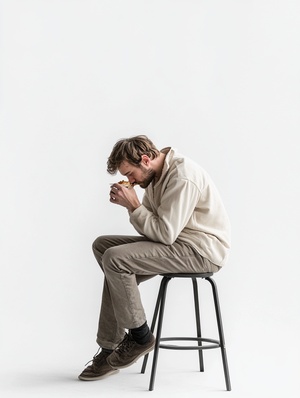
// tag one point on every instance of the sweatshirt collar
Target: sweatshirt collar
(169, 151)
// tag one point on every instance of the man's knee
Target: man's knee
(100, 245)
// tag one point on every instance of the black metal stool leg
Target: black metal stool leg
(153, 323)
(164, 285)
(198, 324)
(221, 332)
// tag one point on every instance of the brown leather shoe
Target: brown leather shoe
(98, 369)
(128, 352)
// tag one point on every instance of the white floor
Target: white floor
(44, 348)
(255, 372)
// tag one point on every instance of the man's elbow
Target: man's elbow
(168, 240)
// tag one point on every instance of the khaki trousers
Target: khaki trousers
(126, 261)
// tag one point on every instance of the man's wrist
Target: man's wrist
(132, 208)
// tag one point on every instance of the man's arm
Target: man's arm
(177, 205)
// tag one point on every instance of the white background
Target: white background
(218, 80)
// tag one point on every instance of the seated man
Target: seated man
(182, 226)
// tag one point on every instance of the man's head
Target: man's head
(132, 157)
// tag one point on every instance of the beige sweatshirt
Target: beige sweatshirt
(185, 206)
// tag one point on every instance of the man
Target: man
(182, 227)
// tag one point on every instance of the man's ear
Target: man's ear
(145, 160)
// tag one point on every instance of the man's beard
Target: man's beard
(149, 177)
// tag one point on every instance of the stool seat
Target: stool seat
(159, 313)
(191, 275)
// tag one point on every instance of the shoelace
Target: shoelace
(125, 345)
(94, 357)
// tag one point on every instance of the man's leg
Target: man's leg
(121, 265)
(110, 333)
(126, 262)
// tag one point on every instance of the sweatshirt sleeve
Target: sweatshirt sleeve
(176, 207)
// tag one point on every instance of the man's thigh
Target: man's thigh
(104, 242)
(144, 257)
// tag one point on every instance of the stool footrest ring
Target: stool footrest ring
(216, 343)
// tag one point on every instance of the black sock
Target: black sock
(107, 350)
(142, 334)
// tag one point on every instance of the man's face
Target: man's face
(141, 175)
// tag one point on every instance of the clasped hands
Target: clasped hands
(123, 196)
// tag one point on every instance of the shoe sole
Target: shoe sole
(133, 361)
(87, 378)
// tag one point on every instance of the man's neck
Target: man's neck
(160, 160)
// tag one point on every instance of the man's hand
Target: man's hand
(123, 196)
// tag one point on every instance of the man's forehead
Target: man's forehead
(125, 167)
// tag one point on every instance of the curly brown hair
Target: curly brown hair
(131, 150)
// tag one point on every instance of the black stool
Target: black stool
(159, 310)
